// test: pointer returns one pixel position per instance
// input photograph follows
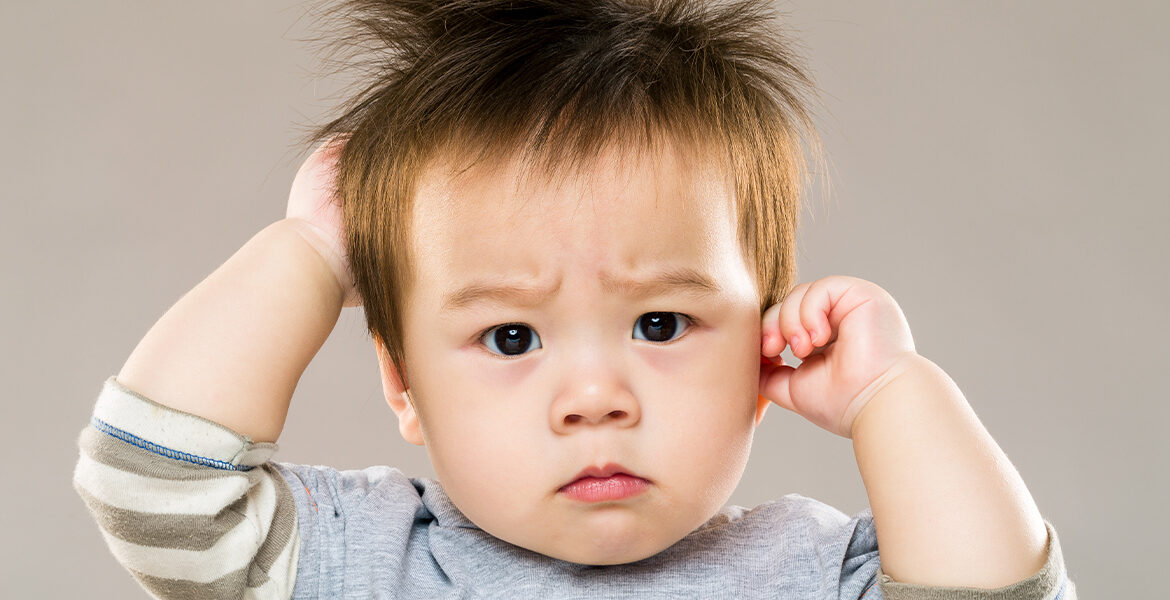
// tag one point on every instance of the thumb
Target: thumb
(774, 380)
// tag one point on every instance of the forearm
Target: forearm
(948, 506)
(233, 348)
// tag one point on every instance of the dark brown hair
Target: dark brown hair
(555, 82)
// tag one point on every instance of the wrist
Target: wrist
(873, 392)
(331, 252)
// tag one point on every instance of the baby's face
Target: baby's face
(611, 319)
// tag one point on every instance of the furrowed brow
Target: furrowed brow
(496, 293)
(682, 280)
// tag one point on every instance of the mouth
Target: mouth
(607, 483)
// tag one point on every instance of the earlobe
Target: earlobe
(407, 419)
(761, 407)
(398, 398)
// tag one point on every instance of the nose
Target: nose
(594, 397)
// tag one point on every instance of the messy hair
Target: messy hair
(554, 82)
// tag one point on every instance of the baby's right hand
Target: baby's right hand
(319, 214)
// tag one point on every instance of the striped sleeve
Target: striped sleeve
(191, 508)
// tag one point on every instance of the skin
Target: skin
(949, 508)
(505, 433)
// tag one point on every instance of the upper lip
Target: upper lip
(605, 471)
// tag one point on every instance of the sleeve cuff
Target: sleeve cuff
(134, 418)
(1050, 583)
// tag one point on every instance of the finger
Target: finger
(832, 299)
(774, 381)
(313, 187)
(790, 325)
(773, 342)
(771, 360)
(815, 307)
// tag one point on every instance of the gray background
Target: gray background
(997, 166)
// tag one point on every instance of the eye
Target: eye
(660, 326)
(513, 339)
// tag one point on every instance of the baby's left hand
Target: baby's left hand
(848, 333)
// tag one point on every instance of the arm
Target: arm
(948, 506)
(175, 462)
(233, 348)
(188, 507)
(186, 502)
(949, 510)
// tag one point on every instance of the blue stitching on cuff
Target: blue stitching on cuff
(163, 450)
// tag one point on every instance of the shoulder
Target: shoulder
(381, 491)
(836, 553)
(372, 524)
(821, 517)
(798, 524)
(349, 488)
(792, 509)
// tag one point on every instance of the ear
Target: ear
(398, 397)
(761, 406)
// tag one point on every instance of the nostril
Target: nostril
(572, 418)
(618, 414)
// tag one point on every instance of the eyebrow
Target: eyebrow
(681, 280)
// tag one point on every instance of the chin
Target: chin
(600, 556)
(614, 546)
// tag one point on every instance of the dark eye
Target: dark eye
(511, 340)
(660, 326)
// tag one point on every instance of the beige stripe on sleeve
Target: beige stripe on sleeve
(188, 530)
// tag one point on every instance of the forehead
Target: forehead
(623, 215)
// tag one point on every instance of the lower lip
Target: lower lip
(600, 489)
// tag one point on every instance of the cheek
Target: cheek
(705, 397)
(742, 349)
(492, 469)
(471, 433)
(703, 443)
(467, 418)
(718, 368)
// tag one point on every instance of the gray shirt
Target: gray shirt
(195, 510)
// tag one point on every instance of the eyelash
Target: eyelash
(691, 322)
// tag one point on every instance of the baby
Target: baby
(571, 226)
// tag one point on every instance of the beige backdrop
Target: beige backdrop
(997, 166)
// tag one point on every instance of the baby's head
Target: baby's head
(565, 219)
